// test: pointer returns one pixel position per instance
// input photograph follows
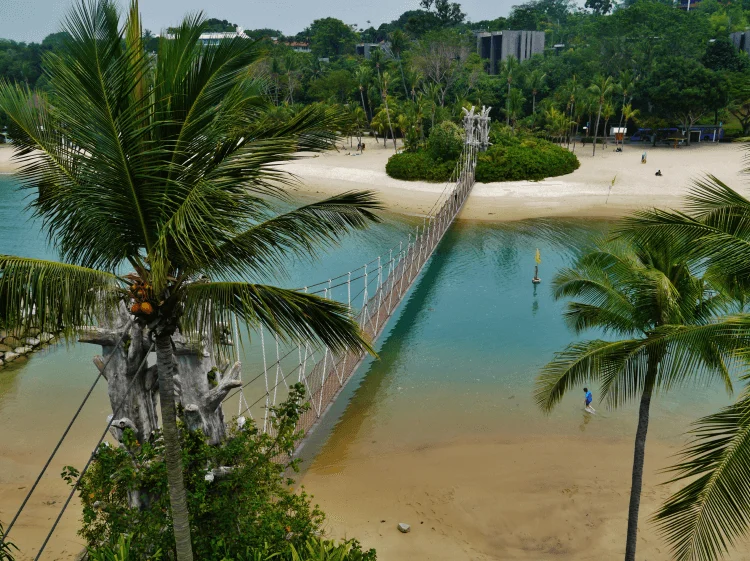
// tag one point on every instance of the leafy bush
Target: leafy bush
(512, 157)
(248, 507)
(445, 142)
(315, 549)
(524, 158)
(6, 548)
(419, 166)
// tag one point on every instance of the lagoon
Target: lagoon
(453, 380)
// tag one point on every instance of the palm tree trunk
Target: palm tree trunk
(639, 455)
(507, 107)
(177, 496)
(596, 129)
(403, 78)
(533, 109)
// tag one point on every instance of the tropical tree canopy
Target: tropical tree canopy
(167, 167)
(711, 514)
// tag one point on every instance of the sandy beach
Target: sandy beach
(581, 193)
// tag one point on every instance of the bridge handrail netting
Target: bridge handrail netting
(390, 281)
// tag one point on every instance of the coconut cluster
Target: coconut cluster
(142, 295)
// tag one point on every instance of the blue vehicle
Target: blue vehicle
(706, 133)
(644, 135)
(698, 133)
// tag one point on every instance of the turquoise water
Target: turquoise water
(458, 360)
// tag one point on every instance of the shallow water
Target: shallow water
(457, 361)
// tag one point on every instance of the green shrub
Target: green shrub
(512, 157)
(315, 549)
(419, 166)
(250, 507)
(524, 158)
(445, 142)
(6, 548)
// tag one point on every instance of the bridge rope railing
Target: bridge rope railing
(372, 292)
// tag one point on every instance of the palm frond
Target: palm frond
(54, 296)
(303, 232)
(294, 316)
(707, 517)
(590, 361)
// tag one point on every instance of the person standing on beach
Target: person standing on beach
(587, 401)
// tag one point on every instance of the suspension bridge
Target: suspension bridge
(372, 292)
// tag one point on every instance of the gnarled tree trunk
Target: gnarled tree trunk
(125, 345)
(202, 383)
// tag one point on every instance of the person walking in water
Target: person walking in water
(587, 401)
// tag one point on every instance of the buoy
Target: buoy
(538, 259)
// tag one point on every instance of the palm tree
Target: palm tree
(629, 113)
(625, 86)
(399, 40)
(705, 518)
(601, 89)
(167, 167)
(515, 105)
(535, 82)
(384, 80)
(508, 69)
(363, 76)
(558, 123)
(607, 112)
(571, 92)
(647, 295)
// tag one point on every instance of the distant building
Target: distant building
(299, 47)
(688, 5)
(215, 37)
(496, 46)
(741, 40)
(364, 49)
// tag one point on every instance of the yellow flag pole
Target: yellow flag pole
(538, 259)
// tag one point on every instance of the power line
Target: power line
(62, 438)
(115, 413)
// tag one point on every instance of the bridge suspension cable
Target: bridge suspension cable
(380, 286)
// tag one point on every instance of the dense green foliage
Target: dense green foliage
(445, 142)
(418, 166)
(250, 507)
(512, 157)
(315, 549)
(524, 158)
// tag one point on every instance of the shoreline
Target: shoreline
(584, 193)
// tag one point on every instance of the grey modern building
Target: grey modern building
(741, 40)
(496, 46)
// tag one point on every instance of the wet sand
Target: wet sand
(495, 498)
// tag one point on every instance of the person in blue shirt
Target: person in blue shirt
(587, 401)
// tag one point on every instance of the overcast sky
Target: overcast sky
(32, 20)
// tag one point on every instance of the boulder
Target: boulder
(10, 356)
(12, 341)
(32, 341)
(5, 348)
(33, 331)
(404, 528)
(45, 337)
(1, 363)
(22, 350)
